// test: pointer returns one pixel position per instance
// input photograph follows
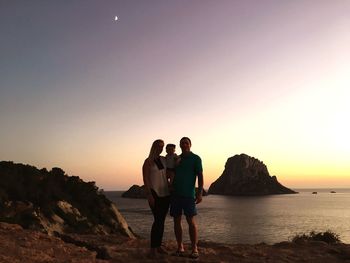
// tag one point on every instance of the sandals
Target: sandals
(179, 253)
(162, 251)
(194, 255)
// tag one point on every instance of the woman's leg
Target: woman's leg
(154, 229)
(159, 211)
(164, 203)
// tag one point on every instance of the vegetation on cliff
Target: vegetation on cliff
(43, 199)
(328, 237)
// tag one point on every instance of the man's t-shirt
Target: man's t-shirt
(185, 174)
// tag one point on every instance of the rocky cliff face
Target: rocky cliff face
(55, 203)
(245, 175)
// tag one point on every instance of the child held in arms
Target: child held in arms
(171, 161)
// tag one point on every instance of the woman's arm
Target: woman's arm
(146, 180)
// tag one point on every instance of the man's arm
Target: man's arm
(200, 188)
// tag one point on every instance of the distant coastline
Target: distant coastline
(323, 190)
(308, 189)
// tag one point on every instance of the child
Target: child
(171, 160)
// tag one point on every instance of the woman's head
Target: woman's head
(156, 149)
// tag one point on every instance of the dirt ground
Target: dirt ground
(19, 245)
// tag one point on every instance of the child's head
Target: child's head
(170, 148)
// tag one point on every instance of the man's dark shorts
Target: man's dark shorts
(185, 204)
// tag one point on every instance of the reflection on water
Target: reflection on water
(268, 219)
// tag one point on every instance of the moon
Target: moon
(116, 18)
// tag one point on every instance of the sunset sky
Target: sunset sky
(87, 93)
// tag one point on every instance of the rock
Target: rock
(135, 191)
(55, 203)
(67, 208)
(245, 175)
(121, 223)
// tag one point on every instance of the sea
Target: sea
(251, 220)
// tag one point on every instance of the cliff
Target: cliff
(245, 175)
(55, 203)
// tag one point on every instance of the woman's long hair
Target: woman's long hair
(153, 154)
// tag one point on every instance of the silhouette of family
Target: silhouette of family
(170, 182)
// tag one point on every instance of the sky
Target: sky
(89, 93)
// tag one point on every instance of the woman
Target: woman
(156, 186)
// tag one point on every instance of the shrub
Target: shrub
(328, 236)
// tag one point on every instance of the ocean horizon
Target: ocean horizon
(254, 219)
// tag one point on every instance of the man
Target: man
(184, 196)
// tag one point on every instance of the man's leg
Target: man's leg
(192, 228)
(178, 233)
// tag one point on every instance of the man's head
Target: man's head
(170, 148)
(185, 144)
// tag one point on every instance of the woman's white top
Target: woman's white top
(158, 179)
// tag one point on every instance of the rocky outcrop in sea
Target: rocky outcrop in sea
(139, 192)
(135, 191)
(245, 175)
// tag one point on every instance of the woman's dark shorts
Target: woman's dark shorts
(185, 204)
